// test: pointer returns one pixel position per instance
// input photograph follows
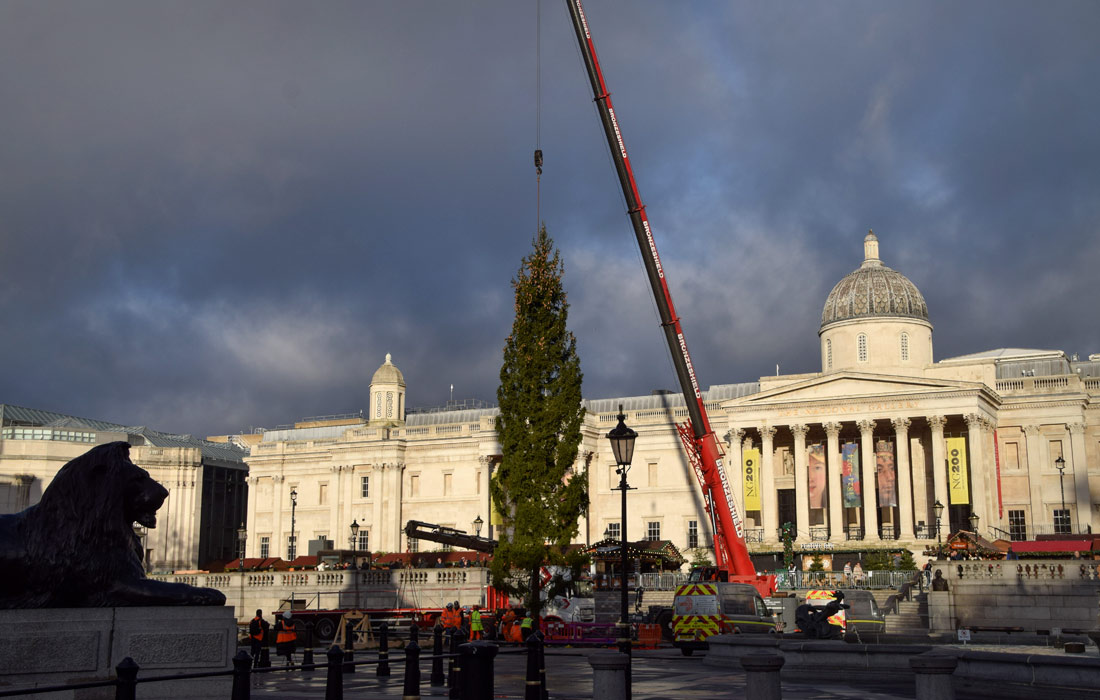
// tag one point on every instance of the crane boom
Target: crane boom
(730, 551)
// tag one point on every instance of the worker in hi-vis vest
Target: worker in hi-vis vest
(475, 623)
(286, 637)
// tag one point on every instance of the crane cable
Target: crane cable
(538, 116)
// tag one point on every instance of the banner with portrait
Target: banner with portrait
(750, 471)
(886, 475)
(815, 474)
(849, 475)
(958, 487)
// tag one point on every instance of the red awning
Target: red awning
(1053, 546)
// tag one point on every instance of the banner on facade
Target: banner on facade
(849, 475)
(957, 486)
(815, 474)
(886, 477)
(750, 470)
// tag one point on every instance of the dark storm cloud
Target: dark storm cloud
(215, 216)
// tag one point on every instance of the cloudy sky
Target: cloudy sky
(215, 216)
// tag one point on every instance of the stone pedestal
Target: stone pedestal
(76, 645)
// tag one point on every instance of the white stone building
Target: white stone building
(1004, 417)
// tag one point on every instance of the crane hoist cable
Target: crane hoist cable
(538, 115)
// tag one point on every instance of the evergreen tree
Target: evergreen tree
(536, 491)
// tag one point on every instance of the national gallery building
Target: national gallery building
(855, 456)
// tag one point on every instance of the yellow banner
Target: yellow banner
(750, 469)
(957, 484)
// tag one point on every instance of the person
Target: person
(848, 573)
(1011, 554)
(816, 470)
(458, 615)
(857, 573)
(439, 562)
(257, 629)
(926, 573)
(526, 626)
(447, 618)
(506, 622)
(286, 637)
(475, 624)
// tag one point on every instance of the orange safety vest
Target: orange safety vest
(286, 633)
(449, 618)
(259, 629)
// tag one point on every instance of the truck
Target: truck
(702, 610)
(704, 453)
(579, 606)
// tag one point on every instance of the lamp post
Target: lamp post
(937, 507)
(973, 522)
(622, 445)
(1061, 464)
(353, 540)
(478, 522)
(292, 550)
(242, 536)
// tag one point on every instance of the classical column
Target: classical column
(484, 498)
(801, 479)
(253, 542)
(870, 482)
(1032, 451)
(397, 472)
(734, 463)
(377, 496)
(905, 482)
(278, 544)
(939, 471)
(1080, 476)
(334, 507)
(836, 512)
(975, 425)
(769, 503)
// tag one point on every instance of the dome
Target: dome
(873, 290)
(388, 373)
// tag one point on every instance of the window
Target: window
(861, 345)
(364, 540)
(322, 494)
(829, 353)
(265, 546)
(1012, 455)
(12, 433)
(653, 530)
(389, 404)
(291, 550)
(613, 531)
(1017, 525)
(364, 487)
(1061, 521)
(378, 404)
(414, 544)
(904, 347)
(693, 534)
(448, 484)
(1055, 453)
(414, 485)
(652, 473)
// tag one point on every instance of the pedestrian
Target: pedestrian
(526, 626)
(447, 618)
(506, 623)
(439, 562)
(286, 637)
(848, 573)
(256, 633)
(475, 624)
(857, 574)
(458, 615)
(926, 573)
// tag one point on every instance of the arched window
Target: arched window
(861, 344)
(828, 353)
(904, 347)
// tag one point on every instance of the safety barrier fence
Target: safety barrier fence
(470, 674)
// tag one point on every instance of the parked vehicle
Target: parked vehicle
(702, 610)
(863, 614)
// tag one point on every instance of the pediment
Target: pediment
(852, 386)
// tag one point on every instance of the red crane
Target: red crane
(704, 453)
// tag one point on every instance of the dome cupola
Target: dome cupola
(387, 394)
(873, 290)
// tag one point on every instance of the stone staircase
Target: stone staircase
(912, 616)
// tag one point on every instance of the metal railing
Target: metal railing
(663, 581)
(853, 532)
(819, 534)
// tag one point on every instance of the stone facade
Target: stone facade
(878, 391)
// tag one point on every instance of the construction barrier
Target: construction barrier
(649, 636)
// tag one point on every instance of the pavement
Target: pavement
(661, 674)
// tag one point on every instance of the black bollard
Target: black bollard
(383, 650)
(265, 658)
(533, 689)
(414, 634)
(334, 684)
(437, 656)
(308, 667)
(242, 670)
(126, 685)
(349, 647)
(542, 665)
(411, 690)
(455, 666)
(477, 670)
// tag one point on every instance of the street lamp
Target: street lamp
(937, 508)
(292, 550)
(622, 445)
(242, 535)
(354, 540)
(1061, 464)
(478, 522)
(973, 522)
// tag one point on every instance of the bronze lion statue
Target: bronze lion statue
(76, 548)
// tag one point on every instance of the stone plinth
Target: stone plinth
(77, 645)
